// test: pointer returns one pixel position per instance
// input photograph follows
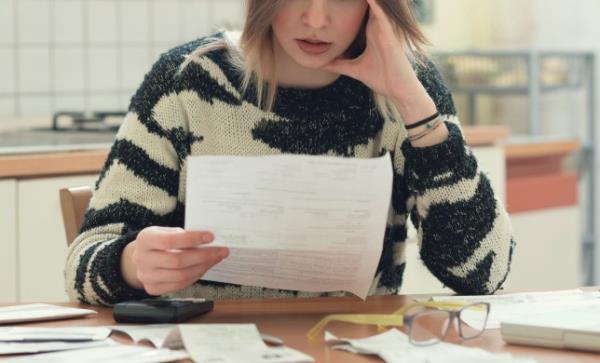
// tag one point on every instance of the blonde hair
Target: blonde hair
(253, 55)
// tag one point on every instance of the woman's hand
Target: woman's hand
(164, 259)
(383, 66)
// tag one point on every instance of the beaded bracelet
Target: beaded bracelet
(430, 129)
(423, 122)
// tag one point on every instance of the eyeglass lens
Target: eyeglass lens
(473, 320)
(429, 326)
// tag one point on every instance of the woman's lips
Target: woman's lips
(313, 47)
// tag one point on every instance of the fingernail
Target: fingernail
(207, 237)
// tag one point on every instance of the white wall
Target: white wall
(455, 25)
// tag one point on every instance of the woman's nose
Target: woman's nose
(316, 15)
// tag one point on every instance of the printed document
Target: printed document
(114, 353)
(36, 312)
(506, 306)
(230, 343)
(294, 222)
(393, 346)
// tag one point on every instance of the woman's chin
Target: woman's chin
(313, 62)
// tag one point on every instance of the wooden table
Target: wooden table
(290, 320)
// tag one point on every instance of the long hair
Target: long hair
(253, 53)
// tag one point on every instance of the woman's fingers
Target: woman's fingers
(158, 281)
(377, 15)
(168, 259)
(182, 259)
(183, 275)
(161, 238)
(342, 66)
(377, 12)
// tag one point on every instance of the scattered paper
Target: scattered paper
(507, 306)
(116, 353)
(42, 347)
(229, 343)
(393, 346)
(24, 334)
(295, 222)
(37, 312)
(155, 334)
(166, 336)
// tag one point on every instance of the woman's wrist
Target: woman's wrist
(128, 270)
(415, 107)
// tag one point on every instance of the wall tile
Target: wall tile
(105, 102)
(33, 69)
(69, 103)
(227, 14)
(103, 68)
(68, 69)
(34, 106)
(134, 64)
(196, 19)
(166, 21)
(33, 21)
(134, 15)
(7, 9)
(102, 21)
(7, 70)
(125, 99)
(7, 107)
(68, 21)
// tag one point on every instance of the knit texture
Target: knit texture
(463, 230)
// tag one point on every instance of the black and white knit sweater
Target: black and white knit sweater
(463, 230)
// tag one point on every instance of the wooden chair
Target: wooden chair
(73, 203)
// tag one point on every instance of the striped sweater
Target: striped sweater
(464, 232)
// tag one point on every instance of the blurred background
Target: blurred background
(523, 74)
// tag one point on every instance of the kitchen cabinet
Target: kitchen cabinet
(547, 255)
(41, 237)
(8, 241)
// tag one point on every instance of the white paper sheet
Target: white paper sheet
(229, 343)
(41, 347)
(39, 334)
(507, 306)
(167, 335)
(295, 222)
(155, 334)
(116, 353)
(37, 312)
(393, 347)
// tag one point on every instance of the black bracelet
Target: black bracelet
(423, 122)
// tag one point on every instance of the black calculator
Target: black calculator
(160, 310)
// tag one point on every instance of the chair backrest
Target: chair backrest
(74, 203)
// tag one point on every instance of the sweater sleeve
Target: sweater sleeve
(464, 231)
(138, 187)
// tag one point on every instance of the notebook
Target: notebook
(574, 327)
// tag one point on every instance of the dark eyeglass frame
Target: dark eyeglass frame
(452, 315)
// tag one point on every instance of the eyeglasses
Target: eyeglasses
(427, 325)
(427, 322)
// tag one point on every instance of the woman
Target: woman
(335, 77)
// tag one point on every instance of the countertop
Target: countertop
(40, 152)
(48, 141)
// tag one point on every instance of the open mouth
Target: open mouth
(313, 46)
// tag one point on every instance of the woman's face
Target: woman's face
(315, 32)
